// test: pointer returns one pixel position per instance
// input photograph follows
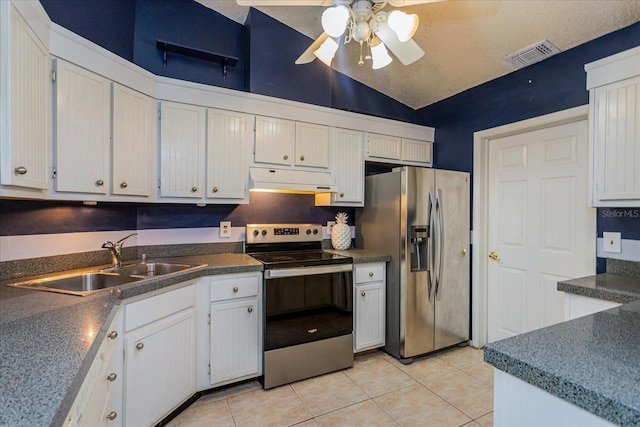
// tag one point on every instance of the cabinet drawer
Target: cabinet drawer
(234, 287)
(153, 308)
(369, 273)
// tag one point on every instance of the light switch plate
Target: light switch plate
(225, 228)
(611, 242)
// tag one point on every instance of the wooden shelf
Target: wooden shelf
(224, 60)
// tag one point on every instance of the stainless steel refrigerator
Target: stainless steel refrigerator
(421, 218)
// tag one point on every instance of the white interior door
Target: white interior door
(540, 228)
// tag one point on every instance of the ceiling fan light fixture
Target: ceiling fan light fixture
(334, 20)
(403, 24)
(379, 54)
(326, 51)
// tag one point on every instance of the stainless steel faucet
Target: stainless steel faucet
(115, 249)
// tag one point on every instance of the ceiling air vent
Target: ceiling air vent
(532, 54)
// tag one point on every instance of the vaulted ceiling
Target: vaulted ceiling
(466, 41)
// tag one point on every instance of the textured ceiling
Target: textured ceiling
(465, 40)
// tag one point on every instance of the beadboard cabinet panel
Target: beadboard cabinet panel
(227, 160)
(312, 145)
(182, 150)
(24, 83)
(274, 141)
(134, 136)
(82, 133)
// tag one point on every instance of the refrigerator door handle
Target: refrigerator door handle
(440, 240)
(430, 246)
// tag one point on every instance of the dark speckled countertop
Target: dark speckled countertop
(48, 340)
(592, 362)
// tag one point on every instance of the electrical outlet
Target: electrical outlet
(330, 225)
(611, 242)
(225, 228)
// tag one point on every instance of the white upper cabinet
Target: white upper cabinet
(83, 101)
(133, 139)
(182, 150)
(289, 143)
(24, 103)
(347, 167)
(227, 156)
(393, 149)
(614, 121)
(274, 141)
(312, 145)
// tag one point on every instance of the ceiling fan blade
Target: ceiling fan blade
(259, 3)
(403, 3)
(407, 52)
(308, 55)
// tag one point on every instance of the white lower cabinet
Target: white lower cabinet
(160, 355)
(99, 401)
(369, 301)
(578, 306)
(235, 351)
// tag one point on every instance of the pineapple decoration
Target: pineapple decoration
(341, 232)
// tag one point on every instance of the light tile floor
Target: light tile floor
(447, 389)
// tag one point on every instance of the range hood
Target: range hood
(292, 181)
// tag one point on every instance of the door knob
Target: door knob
(494, 256)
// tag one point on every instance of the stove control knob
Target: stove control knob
(315, 231)
(308, 231)
(264, 232)
(255, 232)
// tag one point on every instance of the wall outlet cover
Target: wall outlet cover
(611, 242)
(330, 225)
(225, 228)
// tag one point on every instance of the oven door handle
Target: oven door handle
(307, 271)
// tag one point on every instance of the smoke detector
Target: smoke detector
(532, 54)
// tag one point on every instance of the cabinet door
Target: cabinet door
(234, 339)
(274, 141)
(312, 145)
(160, 367)
(417, 151)
(388, 147)
(369, 316)
(83, 102)
(134, 119)
(182, 156)
(226, 155)
(617, 148)
(348, 167)
(25, 89)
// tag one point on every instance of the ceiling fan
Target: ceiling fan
(364, 22)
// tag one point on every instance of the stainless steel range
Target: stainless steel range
(308, 302)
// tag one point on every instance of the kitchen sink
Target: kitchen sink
(87, 283)
(149, 269)
(78, 284)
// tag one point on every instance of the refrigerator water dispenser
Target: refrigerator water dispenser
(419, 239)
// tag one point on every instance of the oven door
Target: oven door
(307, 304)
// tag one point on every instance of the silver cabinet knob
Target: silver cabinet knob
(215, 190)
(371, 274)
(235, 289)
(112, 415)
(20, 170)
(363, 293)
(286, 157)
(99, 183)
(194, 189)
(112, 376)
(302, 158)
(124, 184)
(139, 346)
(250, 309)
(112, 335)
(341, 194)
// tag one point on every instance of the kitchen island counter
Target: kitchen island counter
(48, 340)
(590, 362)
(606, 286)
